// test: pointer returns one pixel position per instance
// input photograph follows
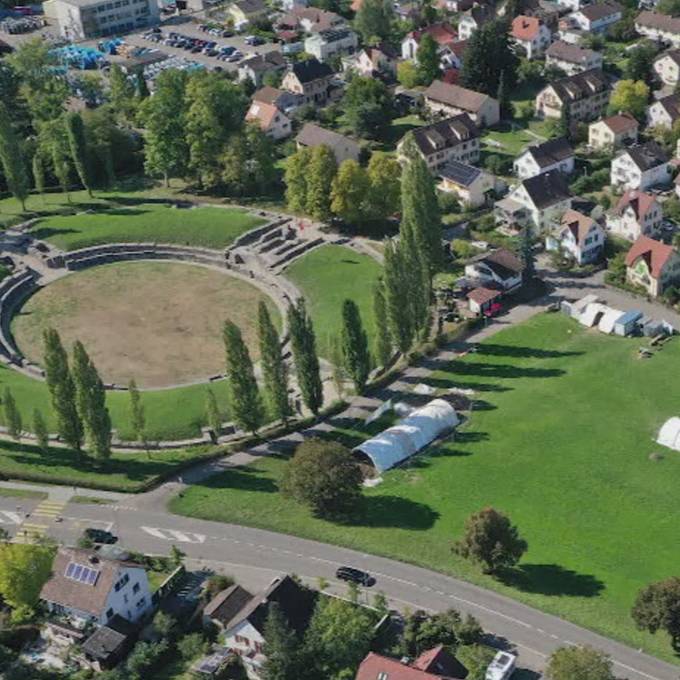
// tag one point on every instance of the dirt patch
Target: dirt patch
(158, 322)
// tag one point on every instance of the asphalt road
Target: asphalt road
(260, 554)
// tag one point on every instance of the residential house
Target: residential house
(545, 10)
(434, 664)
(613, 132)
(110, 643)
(311, 79)
(664, 112)
(578, 236)
(653, 265)
(531, 35)
(244, 632)
(310, 20)
(472, 186)
(377, 62)
(247, 11)
(572, 5)
(481, 300)
(85, 587)
(555, 154)
(635, 214)
(640, 166)
(451, 55)
(225, 605)
(474, 18)
(342, 147)
(273, 122)
(288, 5)
(449, 100)
(255, 68)
(572, 59)
(598, 17)
(585, 96)
(667, 67)
(442, 33)
(499, 269)
(537, 202)
(455, 138)
(283, 100)
(330, 43)
(659, 27)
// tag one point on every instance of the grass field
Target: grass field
(122, 472)
(158, 322)
(207, 227)
(329, 275)
(560, 440)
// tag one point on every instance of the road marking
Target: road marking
(173, 535)
(10, 517)
(156, 533)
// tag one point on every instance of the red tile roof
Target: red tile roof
(483, 295)
(437, 660)
(621, 122)
(375, 664)
(443, 33)
(578, 224)
(525, 28)
(654, 253)
(639, 201)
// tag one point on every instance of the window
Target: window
(135, 588)
(141, 603)
(382, 676)
(109, 612)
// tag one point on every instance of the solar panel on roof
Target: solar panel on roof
(81, 573)
(69, 569)
(77, 572)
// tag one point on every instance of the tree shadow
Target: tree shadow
(393, 512)
(243, 479)
(44, 233)
(482, 405)
(504, 371)
(491, 349)
(447, 383)
(552, 579)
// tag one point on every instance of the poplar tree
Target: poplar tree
(137, 413)
(274, 369)
(303, 341)
(244, 395)
(38, 168)
(62, 390)
(417, 282)
(11, 413)
(383, 342)
(420, 215)
(212, 412)
(355, 353)
(282, 647)
(91, 403)
(396, 291)
(297, 168)
(40, 430)
(75, 132)
(12, 159)
(429, 62)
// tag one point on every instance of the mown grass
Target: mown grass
(328, 276)
(12, 492)
(560, 439)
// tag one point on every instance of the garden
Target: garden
(560, 439)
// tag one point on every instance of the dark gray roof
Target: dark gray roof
(581, 85)
(647, 156)
(251, 6)
(480, 13)
(334, 34)
(445, 134)
(460, 173)
(504, 263)
(600, 10)
(547, 188)
(671, 105)
(311, 69)
(572, 54)
(265, 62)
(108, 639)
(313, 135)
(550, 152)
(226, 604)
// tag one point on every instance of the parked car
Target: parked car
(501, 667)
(350, 574)
(100, 536)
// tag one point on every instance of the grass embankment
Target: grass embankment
(328, 276)
(560, 439)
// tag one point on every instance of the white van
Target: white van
(502, 666)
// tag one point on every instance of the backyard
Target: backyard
(560, 438)
(329, 275)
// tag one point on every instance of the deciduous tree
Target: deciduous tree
(212, 412)
(368, 107)
(281, 648)
(657, 607)
(579, 663)
(245, 402)
(491, 540)
(297, 168)
(428, 60)
(384, 173)
(320, 173)
(137, 413)
(75, 132)
(383, 341)
(374, 20)
(24, 569)
(323, 476)
(349, 192)
(12, 159)
(630, 97)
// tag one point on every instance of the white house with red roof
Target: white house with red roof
(613, 132)
(653, 265)
(579, 236)
(442, 32)
(273, 122)
(636, 214)
(531, 35)
(434, 664)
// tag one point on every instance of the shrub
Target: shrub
(448, 203)
(191, 646)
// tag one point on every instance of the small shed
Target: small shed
(591, 314)
(609, 319)
(669, 434)
(109, 644)
(578, 307)
(627, 324)
(480, 299)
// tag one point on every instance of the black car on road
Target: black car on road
(353, 575)
(100, 536)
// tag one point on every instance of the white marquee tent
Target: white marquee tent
(609, 319)
(669, 434)
(413, 433)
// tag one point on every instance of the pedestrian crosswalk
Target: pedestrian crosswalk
(174, 535)
(36, 524)
(7, 517)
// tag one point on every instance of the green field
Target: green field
(560, 439)
(329, 275)
(170, 414)
(207, 227)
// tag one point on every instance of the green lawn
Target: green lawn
(560, 439)
(22, 493)
(208, 227)
(329, 275)
(170, 414)
(122, 472)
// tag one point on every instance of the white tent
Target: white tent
(579, 306)
(669, 434)
(412, 434)
(609, 319)
(591, 314)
